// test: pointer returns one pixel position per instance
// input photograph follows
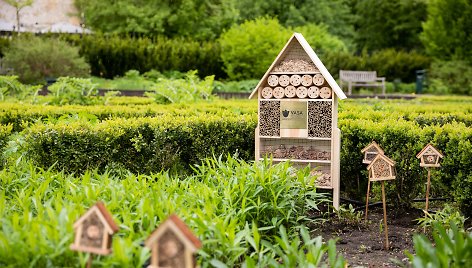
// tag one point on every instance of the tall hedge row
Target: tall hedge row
(177, 142)
(111, 56)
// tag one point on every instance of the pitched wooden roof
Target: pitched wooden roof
(183, 229)
(298, 37)
(372, 144)
(381, 156)
(103, 214)
(426, 148)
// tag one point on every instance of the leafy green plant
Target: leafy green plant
(187, 90)
(34, 59)
(452, 248)
(450, 77)
(71, 90)
(10, 86)
(446, 217)
(349, 215)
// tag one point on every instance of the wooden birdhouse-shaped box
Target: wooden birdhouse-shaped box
(370, 152)
(94, 230)
(297, 108)
(429, 156)
(381, 168)
(172, 244)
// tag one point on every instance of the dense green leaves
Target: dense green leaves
(448, 29)
(34, 59)
(239, 211)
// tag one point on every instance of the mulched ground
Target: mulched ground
(362, 245)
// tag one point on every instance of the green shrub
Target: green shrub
(5, 132)
(452, 248)
(450, 77)
(10, 86)
(187, 90)
(111, 56)
(235, 86)
(389, 63)
(70, 90)
(34, 59)
(445, 217)
(249, 48)
(239, 211)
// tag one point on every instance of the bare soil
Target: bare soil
(362, 245)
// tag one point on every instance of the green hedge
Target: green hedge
(111, 56)
(5, 132)
(177, 142)
(140, 144)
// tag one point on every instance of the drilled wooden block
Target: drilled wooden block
(319, 119)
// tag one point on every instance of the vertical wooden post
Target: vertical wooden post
(385, 215)
(90, 260)
(367, 200)
(428, 185)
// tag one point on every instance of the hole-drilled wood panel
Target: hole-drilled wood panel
(269, 118)
(319, 119)
(171, 251)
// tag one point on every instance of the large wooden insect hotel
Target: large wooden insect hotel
(172, 245)
(94, 230)
(298, 113)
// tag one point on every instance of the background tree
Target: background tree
(389, 24)
(19, 5)
(447, 32)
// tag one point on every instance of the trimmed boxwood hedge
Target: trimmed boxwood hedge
(177, 142)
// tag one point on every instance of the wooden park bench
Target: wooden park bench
(361, 79)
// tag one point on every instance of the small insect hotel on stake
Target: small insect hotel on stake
(380, 168)
(93, 232)
(298, 113)
(429, 157)
(172, 245)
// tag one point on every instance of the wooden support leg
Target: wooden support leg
(367, 201)
(428, 185)
(90, 260)
(385, 216)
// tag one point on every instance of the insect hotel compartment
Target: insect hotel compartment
(297, 150)
(299, 85)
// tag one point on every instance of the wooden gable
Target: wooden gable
(429, 156)
(370, 152)
(381, 168)
(94, 230)
(172, 244)
(298, 48)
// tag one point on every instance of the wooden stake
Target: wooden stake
(367, 201)
(385, 215)
(90, 260)
(428, 185)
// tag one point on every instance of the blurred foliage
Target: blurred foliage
(448, 29)
(384, 24)
(33, 59)
(450, 77)
(249, 48)
(71, 90)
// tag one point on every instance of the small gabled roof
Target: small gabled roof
(298, 37)
(375, 145)
(179, 227)
(103, 214)
(428, 148)
(381, 156)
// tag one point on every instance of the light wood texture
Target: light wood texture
(304, 136)
(428, 185)
(429, 156)
(387, 245)
(367, 201)
(361, 79)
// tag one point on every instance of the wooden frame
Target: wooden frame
(370, 152)
(381, 168)
(172, 244)
(94, 230)
(429, 156)
(297, 108)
